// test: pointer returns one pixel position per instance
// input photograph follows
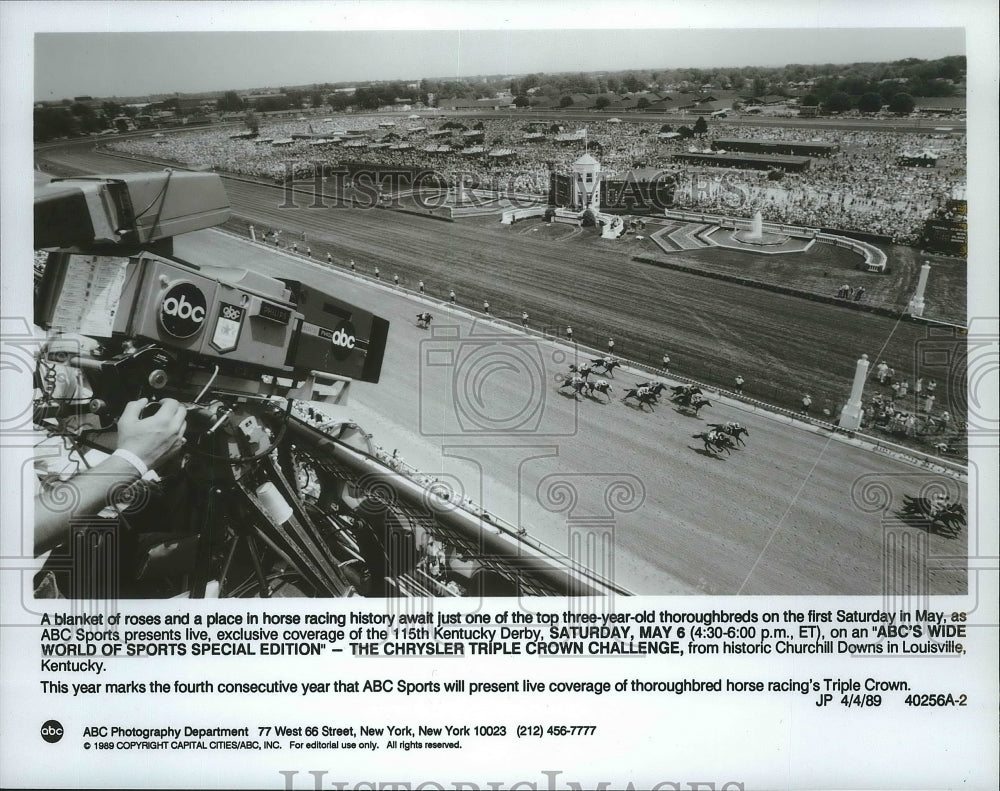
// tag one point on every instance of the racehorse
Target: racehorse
(608, 364)
(950, 516)
(715, 441)
(644, 395)
(682, 394)
(576, 381)
(733, 430)
(691, 403)
(697, 402)
(654, 387)
(582, 370)
(424, 320)
(600, 386)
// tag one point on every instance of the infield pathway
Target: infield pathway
(786, 515)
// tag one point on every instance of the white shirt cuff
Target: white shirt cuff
(132, 459)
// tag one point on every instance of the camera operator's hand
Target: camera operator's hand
(152, 438)
(142, 441)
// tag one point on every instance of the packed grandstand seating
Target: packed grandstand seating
(860, 187)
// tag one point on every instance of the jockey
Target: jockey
(584, 370)
(730, 429)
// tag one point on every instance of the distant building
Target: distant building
(587, 186)
(747, 161)
(579, 188)
(788, 147)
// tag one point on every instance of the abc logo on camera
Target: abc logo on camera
(182, 310)
(52, 731)
(342, 340)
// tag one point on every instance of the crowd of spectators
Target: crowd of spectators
(900, 409)
(861, 187)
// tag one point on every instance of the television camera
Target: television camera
(235, 346)
(270, 497)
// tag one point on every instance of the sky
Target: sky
(130, 63)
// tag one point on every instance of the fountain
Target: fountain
(757, 235)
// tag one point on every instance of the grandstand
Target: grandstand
(795, 148)
(748, 161)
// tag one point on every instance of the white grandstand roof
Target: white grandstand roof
(586, 159)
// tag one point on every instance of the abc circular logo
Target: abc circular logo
(343, 340)
(52, 731)
(182, 310)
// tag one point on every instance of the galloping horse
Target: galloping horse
(600, 386)
(575, 381)
(644, 395)
(732, 429)
(950, 516)
(697, 402)
(608, 364)
(582, 370)
(715, 441)
(424, 320)
(654, 387)
(682, 394)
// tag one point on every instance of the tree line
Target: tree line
(866, 87)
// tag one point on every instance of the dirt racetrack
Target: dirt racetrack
(795, 512)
